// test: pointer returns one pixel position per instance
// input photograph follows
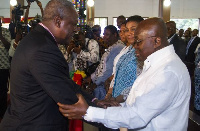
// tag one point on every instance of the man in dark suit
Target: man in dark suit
(191, 46)
(190, 51)
(175, 40)
(39, 74)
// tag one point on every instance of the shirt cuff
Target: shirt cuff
(93, 114)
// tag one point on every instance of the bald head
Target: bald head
(61, 8)
(61, 18)
(153, 27)
(150, 36)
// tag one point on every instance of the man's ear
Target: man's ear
(157, 42)
(57, 21)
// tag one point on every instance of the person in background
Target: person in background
(20, 33)
(122, 33)
(36, 20)
(186, 36)
(190, 52)
(104, 69)
(39, 73)
(5, 40)
(176, 41)
(180, 33)
(87, 52)
(123, 39)
(125, 64)
(96, 29)
(159, 98)
(197, 83)
(191, 46)
(120, 19)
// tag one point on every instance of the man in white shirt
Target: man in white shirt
(159, 98)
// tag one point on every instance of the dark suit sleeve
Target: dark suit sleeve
(48, 67)
(88, 97)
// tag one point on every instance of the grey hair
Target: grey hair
(61, 8)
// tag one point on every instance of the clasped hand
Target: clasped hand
(78, 110)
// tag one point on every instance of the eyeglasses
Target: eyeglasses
(137, 41)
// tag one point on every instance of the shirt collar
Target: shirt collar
(157, 56)
(171, 38)
(48, 31)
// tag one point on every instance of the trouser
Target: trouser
(4, 75)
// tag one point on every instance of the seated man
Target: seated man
(104, 69)
(159, 98)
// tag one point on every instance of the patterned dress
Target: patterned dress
(197, 81)
(126, 73)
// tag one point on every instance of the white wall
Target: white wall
(114, 8)
(33, 11)
(185, 9)
(146, 8)
(5, 8)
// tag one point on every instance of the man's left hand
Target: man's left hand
(75, 111)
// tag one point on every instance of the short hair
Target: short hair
(96, 28)
(61, 8)
(112, 29)
(135, 18)
(172, 23)
(121, 17)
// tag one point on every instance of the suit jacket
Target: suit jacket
(39, 79)
(179, 46)
(190, 57)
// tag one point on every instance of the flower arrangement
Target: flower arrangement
(78, 76)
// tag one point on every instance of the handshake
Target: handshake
(79, 109)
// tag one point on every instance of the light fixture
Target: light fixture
(90, 3)
(13, 2)
(167, 3)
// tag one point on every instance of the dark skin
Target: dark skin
(171, 28)
(63, 28)
(81, 106)
(110, 39)
(17, 39)
(145, 47)
(81, 39)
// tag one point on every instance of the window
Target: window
(186, 23)
(102, 21)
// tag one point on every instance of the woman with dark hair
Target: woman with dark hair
(125, 68)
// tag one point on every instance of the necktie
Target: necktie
(189, 43)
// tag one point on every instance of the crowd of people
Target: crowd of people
(139, 77)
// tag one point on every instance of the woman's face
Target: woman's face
(129, 31)
(122, 33)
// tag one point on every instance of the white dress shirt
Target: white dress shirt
(158, 100)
